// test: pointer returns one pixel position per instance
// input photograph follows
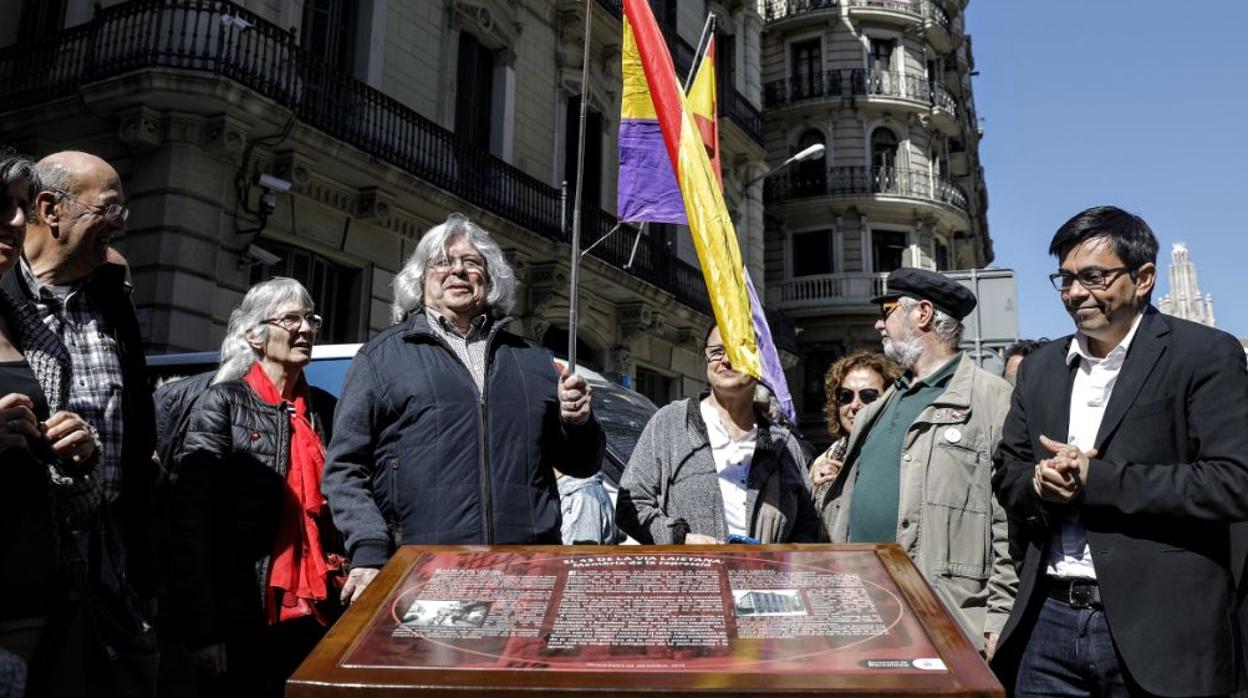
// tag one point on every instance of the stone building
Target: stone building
(320, 138)
(1184, 300)
(885, 86)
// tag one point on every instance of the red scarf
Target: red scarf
(298, 568)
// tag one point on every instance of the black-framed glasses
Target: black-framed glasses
(845, 396)
(471, 263)
(887, 308)
(291, 322)
(1092, 278)
(715, 354)
(113, 213)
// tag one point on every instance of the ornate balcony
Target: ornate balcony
(781, 93)
(778, 10)
(825, 290)
(883, 185)
(900, 12)
(215, 37)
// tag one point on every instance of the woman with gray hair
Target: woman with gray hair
(254, 549)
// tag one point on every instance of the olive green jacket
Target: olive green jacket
(949, 522)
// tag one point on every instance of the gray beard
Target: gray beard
(904, 351)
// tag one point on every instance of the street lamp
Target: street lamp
(808, 153)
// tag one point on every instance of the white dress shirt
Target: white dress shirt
(1068, 554)
(732, 462)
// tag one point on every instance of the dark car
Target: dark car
(623, 413)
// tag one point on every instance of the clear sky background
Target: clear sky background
(1138, 103)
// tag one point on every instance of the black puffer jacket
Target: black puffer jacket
(226, 503)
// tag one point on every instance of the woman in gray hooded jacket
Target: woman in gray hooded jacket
(709, 468)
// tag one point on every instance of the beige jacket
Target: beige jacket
(949, 522)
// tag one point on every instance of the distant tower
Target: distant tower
(1184, 299)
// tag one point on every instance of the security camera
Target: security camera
(270, 182)
(262, 256)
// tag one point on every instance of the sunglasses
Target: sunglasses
(845, 396)
(887, 308)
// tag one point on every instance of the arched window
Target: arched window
(811, 176)
(884, 160)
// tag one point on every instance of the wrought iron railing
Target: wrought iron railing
(829, 83)
(889, 84)
(222, 38)
(912, 7)
(867, 181)
(774, 10)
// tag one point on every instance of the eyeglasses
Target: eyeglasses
(1092, 278)
(113, 213)
(845, 396)
(291, 322)
(887, 308)
(715, 354)
(470, 264)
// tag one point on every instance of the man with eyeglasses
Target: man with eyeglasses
(917, 465)
(85, 300)
(449, 426)
(1124, 461)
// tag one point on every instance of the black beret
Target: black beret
(936, 288)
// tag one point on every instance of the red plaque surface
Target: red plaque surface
(735, 619)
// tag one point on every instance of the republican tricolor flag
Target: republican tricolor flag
(669, 173)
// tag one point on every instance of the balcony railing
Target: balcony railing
(858, 83)
(773, 10)
(825, 290)
(829, 83)
(222, 38)
(867, 181)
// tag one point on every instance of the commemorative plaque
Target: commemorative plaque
(682, 620)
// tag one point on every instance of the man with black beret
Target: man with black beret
(919, 460)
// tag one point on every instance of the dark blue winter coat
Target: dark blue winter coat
(419, 455)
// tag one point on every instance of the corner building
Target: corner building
(885, 86)
(383, 117)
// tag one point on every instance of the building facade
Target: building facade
(885, 87)
(320, 138)
(1184, 300)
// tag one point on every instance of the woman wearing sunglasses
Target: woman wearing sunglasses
(254, 551)
(852, 383)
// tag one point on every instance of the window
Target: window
(328, 26)
(654, 385)
(815, 365)
(40, 19)
(941, 252)
(807, 68)
(664, 12)
(474, 91)
(335, 289)
(813, 253)
(883, 160)
(880, 56)
(888, 249)
(725, 62)
(591, 192)
(811, 176)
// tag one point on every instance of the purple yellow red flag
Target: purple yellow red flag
(648, 64)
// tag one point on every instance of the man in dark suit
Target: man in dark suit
(1124, 461)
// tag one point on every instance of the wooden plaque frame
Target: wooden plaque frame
(327, 673)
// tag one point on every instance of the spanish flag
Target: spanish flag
(650, 87)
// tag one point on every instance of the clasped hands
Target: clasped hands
(68, 434)
(1060, 478)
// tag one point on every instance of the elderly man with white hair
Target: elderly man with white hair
(448, 427)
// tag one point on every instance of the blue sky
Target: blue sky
(1138, 103)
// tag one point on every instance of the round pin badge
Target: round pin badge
(952, 435)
